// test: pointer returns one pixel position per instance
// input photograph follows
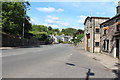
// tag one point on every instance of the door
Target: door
(117, 48)
(88, 42)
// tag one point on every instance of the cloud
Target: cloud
(76, 5)
(81, 19)
(64, 24)
(76, 27)
(72, 0)
(54, 26)
(55, 22)
(34, 21)
(60, 10)
(51, 19)
(100, 13)
(49, 9)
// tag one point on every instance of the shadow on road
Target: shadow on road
(88, 74)
(117, 72)
(36, 46)
(70, 64)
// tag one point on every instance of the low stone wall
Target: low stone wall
(11, 41)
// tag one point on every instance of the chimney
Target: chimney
(118, 8)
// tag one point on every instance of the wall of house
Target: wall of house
(109, 36)
(88, 30)
(97, 35)
(90, 27)
(97, 39)
(119, 47)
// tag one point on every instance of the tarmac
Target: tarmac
(106, 60)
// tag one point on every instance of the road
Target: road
(51, 61)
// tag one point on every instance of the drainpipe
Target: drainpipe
(93, 34)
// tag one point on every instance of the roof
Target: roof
(111, 19)
(95, 18)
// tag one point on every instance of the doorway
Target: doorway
(88, 42)
(117, 48)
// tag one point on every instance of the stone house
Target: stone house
(92, 33)
(110, 35)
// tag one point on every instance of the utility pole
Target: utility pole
(23, 25)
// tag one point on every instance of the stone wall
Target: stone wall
(11, 41)
(109, 36)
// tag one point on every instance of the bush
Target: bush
(60, 41)
(67, 42)
(79, 37)
(41, 36)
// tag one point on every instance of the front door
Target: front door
(117, 48)
(88, 42)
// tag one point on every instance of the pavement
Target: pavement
(6, 48)
(52, 61)
(108, 61)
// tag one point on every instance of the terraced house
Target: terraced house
(92, 33)
(110, 35)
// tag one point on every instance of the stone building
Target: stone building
(110, 35)
(92, 33)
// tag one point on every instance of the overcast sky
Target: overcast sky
(68, 14)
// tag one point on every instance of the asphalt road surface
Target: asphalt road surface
(51, 61)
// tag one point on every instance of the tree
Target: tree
(56, 30)
(50, 28)
(13, 17)
(39, 28)
(78, 37)
(41, 36)
(69, 31)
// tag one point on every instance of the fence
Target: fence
(11, 41)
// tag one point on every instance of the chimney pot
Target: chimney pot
(119, 3)
(118, 8)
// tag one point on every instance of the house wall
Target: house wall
(119, 47)
(90, 28)
(110, 35)
(97, 35)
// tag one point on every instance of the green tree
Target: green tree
(69, 31)
(78, 37)
(13, 17)
(41, 36)
(39, 28)
(50, 28)
(56, 30)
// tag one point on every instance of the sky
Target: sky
(68, 14)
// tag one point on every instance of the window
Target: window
(118, 27)
(107, 44)
(97, 44)
(104, 45)
(105, 31)
(97, 30)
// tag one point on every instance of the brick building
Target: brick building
(92, 33)
(110, 35)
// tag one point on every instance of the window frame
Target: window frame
(97, 45)
(98, 30)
